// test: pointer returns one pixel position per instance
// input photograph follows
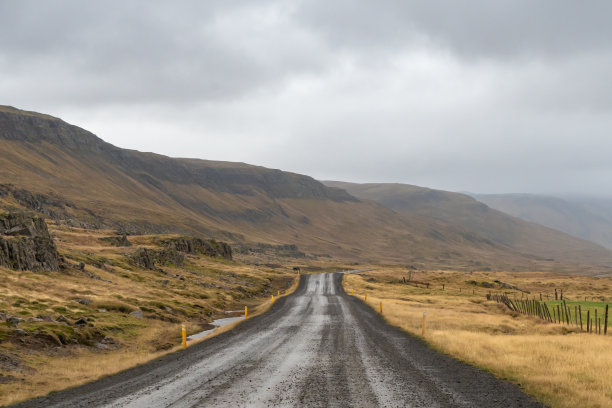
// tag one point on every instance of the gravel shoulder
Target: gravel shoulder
(317, 348)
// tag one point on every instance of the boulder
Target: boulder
(62, 319)
(137, 314)
(13, 320)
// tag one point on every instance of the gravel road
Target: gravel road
(315, 348)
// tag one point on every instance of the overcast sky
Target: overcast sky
(481, 96)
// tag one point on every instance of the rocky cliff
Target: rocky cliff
(191, 245)
(25, 243)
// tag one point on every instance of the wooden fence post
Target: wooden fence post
(580, 312)
(599, 326)
(606, 322)
(575, 315)
(588, 320)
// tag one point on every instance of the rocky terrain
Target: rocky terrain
(25, 243)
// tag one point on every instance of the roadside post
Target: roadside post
(381, 307)
(245, 312)
(365, 298)
(424, 328)
(184, 333)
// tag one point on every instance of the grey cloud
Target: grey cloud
(484, 29)
(151, 51)
(486, 96)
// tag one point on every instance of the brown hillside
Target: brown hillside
(465, 212)
(77, 179)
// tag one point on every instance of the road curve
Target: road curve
(315, 348)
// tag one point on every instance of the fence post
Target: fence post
(184, 335)
(580, 313)
(575, 315)
(606, 322)
(588, 320)
(599, 326)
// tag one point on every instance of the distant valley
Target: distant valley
(582, 217)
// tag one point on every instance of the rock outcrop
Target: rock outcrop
(174, 250)
(150, 258)
(25, 243)
(192, 245)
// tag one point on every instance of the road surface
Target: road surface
(315, 348)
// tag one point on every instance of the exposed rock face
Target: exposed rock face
(191, 245)
(52, 207)
(175, 249)
(16, 224)
(25, 243)
(149, 258)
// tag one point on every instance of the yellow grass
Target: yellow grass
(28, 294)
(557, 364)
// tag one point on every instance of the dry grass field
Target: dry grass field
(42, 354)
(557, 363)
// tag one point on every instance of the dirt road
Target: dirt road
(315, 348)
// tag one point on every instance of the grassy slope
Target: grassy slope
(208, 289)
(554, 362)
(465, 212)
(228, 200)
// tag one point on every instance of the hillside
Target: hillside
(586, 218)
(463, 211)
(76, 179)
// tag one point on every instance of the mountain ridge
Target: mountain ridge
(101, 185)
(466, 212)
(582, 217)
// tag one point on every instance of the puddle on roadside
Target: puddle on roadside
(217, 323)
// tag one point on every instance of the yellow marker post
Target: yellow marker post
(365, 298)
(278, 294)
(352, 291)
(245, 312)
(424, 324)
(380, 307)
(184, 332)
(272, 298)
